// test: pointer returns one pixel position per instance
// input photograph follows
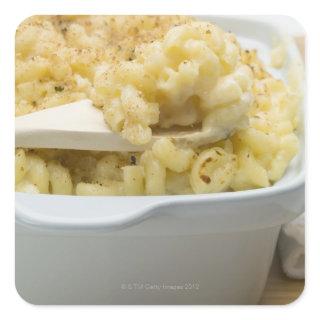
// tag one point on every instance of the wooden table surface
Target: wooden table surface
(280, 289)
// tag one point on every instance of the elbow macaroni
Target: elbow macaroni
(177, 160)
(155, 174)
(178, 80)
(165, 72)
(212, 171)
(133, 178)
(59, 178)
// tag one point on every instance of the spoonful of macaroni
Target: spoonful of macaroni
(81, 126)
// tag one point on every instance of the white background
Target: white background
(13, 12)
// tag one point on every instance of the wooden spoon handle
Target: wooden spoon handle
(78, 126)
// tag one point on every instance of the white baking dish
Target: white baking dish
(192, 249)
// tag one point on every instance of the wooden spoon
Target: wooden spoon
(81, 126)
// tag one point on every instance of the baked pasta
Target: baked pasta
(149, 73)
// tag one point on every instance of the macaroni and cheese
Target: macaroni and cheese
(148, 73)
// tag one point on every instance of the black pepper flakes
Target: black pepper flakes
(59, 88)
(205, 179)
(133, 160)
